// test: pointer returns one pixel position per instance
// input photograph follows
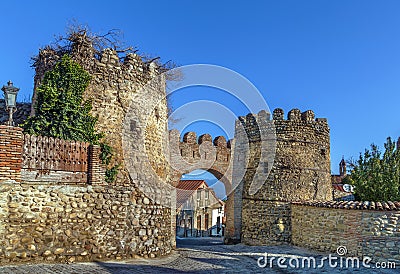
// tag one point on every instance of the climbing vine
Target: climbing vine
(106, 157)
(61, 112)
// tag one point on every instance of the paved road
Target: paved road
(199, 255)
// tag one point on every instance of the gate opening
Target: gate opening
(200, 218)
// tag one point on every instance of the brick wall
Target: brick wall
(11, 142)
(96, 172)
(200, 153)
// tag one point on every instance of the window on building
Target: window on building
(206, 194)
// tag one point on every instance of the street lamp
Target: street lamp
(10, 98)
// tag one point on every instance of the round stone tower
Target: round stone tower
(116, 91)
(300, 171)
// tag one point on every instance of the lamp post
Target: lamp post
(10, 98)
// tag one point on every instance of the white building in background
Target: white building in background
(199, 212)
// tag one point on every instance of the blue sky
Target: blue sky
(338, 58)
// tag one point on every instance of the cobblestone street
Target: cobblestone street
(198, 255)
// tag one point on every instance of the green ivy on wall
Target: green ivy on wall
(106, 156)
(61, 112)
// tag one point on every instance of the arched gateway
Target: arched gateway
(298, 170)
(202, 153)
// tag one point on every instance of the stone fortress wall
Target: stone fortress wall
(364, 228)
(200, 153)
(115, 89)
(300, 171)
(294, 204)
(65, 211)
(56, 214)
(57, 207)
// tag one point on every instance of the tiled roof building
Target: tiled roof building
(199, 211)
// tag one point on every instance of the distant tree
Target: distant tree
(60, 110)
(376, 176)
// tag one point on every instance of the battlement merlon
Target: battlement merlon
(129, 62)
(191, 154)
(278, 115)
(94, 62)
(256, 126)
(190, 137)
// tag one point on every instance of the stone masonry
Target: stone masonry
(116, 89)
(67, 223)
(202, 153)
(365, 230)
(68, 215)
(300, 171)
(50, 217)
(55, 205)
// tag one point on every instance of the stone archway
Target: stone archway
(203, 153)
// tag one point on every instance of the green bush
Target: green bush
(61, 112)
(376, 176)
